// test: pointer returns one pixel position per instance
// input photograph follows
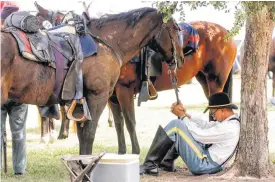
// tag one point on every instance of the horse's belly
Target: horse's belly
(32, 83)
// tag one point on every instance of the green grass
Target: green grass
(44, 165)
(34, 130)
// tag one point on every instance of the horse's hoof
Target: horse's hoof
(44, 140)
(53, 136)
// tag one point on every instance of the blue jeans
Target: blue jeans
(17, 118)
(194, 155)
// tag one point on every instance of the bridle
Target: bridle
(156, 46)
(173, 61)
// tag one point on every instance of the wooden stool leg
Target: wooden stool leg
(77, 176)
(89, 168)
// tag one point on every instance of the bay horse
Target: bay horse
(124, 34)
(211, 65)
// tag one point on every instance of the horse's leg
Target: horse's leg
(44, 130)
(119, 123)
(202, 80)
(86, 131)
(228, 85)
(52, 130)
(110, 117)
(65, 124)
(217, 79)
(125, 96)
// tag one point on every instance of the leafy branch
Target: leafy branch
(242, 10)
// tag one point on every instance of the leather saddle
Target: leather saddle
(62, 51)
(149, 67)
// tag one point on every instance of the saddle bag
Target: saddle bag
(22, 20)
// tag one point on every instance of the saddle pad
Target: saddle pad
(88, 45)
(191, 36)
(62, 28)
(23, 44)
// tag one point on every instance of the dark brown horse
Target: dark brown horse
(211, 65)
(126, 34)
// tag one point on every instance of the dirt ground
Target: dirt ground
(182, 175)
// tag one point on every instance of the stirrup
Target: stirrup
(144, 93)
(86, 113)
(151, 89)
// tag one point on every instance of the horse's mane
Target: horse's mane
(131, 17)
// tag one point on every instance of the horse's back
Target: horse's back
(205, 28)
(23, 80)
(213, 45)
(8, 48)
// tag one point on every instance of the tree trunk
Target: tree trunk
(253, 156)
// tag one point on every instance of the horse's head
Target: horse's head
(169, 42)
(54, 17)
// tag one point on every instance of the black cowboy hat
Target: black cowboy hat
(220, 100)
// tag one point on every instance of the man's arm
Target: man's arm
(218, 132)
(202, 123)
(180, 111)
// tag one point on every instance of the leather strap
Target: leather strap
(235, 118)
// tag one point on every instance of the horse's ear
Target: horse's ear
(40, 9)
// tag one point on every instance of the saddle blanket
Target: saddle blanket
(191, 37)
(88, 45)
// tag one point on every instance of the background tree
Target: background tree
(252, 157)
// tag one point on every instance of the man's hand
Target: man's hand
(178, 109)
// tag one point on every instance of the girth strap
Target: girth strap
(98, 39)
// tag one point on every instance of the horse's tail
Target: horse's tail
(228, 85)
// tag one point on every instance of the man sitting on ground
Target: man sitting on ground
(204, 146)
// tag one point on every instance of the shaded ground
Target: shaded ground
(182, 175)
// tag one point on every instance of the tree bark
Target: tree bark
(253, 156)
